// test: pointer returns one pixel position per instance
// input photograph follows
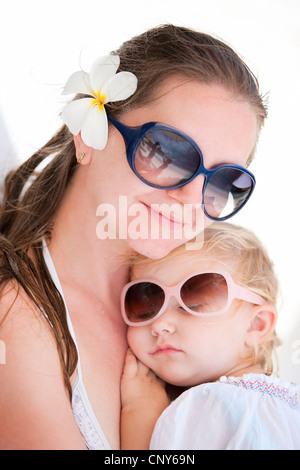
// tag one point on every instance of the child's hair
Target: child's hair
(30, 202)
(248, 262)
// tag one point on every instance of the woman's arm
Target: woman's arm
(34, 407)
(143, 400)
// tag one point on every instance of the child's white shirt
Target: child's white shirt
(252, 412)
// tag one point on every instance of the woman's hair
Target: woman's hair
(246, 259)
(171, 50)
(32, 196)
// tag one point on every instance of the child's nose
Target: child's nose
(165, 324)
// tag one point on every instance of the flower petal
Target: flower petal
(119, 87)
(95, 128)
(108, 59)
(103, 69)
(78, 82)
(75, 113)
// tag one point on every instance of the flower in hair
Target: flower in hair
(101, 85)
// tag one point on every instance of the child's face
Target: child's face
(184, 349)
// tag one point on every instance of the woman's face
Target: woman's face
(224, 128)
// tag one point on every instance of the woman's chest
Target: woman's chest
(101, 341)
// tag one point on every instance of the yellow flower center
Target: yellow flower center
(99, 100)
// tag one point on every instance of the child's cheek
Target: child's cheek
(136, 338)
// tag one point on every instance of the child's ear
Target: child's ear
(83, 152)
(263, 321)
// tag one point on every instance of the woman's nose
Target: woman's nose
(190, 193)
(190, 198)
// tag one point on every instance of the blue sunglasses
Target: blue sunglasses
(165, 158)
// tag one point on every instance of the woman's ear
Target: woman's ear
(83, 152)
(263, 322)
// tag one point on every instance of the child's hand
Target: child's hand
(143, 400)
(141, 388)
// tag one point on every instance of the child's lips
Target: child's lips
(164, 349)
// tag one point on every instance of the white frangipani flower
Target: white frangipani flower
(103, 85)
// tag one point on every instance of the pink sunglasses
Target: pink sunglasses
(204, 294)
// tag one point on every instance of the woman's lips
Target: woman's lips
(163, 218)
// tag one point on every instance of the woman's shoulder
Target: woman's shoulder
(21, 320)
(33, 399)
(29, 346)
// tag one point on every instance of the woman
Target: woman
(55, 395)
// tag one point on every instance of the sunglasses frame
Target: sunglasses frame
(133, 137)
(234, 292)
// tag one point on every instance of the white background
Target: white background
(41, 43)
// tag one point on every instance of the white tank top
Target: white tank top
(84, 415)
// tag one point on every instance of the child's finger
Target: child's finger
(130, 365)
(142, 368)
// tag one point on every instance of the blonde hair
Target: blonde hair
(250, 266)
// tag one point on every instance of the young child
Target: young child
(205, 319)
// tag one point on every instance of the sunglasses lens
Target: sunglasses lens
(227, 191)
(205, 293)
(165, 159)
(143, 301)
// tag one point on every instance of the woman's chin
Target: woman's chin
(155, 249)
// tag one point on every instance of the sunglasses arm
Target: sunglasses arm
(127, 132)
(245, 294)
